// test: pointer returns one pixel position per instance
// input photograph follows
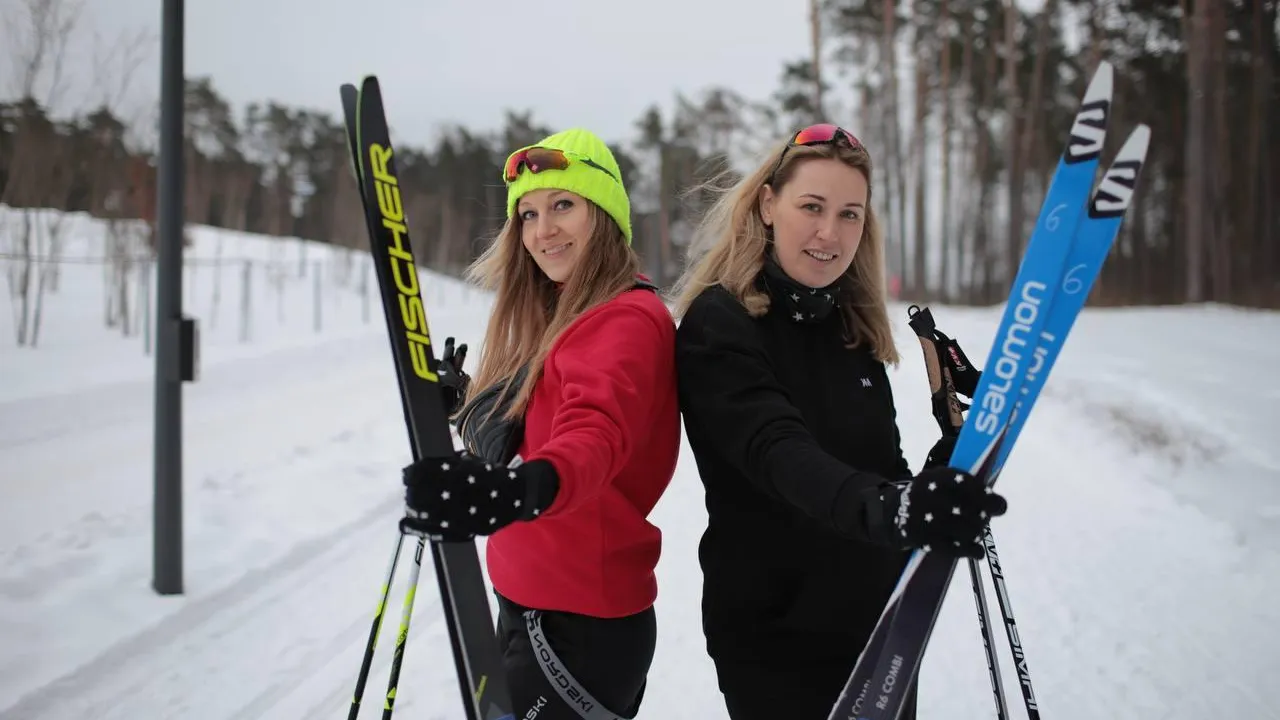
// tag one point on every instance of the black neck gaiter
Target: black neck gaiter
(802, 304)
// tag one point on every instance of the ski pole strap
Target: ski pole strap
(946, 365)
(963, 373)
(568, 688)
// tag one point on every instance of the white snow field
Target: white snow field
(1142, 546)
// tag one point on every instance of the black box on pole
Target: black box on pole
(189, 352)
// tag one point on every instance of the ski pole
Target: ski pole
(947, 411)
(988, 641)
(1010, 626)
(402, 638)
(372, 643)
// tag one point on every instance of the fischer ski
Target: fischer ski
(463, 593)
(1059, 262)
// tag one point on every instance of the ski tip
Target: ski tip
(1115, 191)
(1101, 86)
(1089, 129)
(1135, 147)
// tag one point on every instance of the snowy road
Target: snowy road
(262, 457)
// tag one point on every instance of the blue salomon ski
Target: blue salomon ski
(1027, 342)
(1092, 244)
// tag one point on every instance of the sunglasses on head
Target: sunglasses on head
(820, 134)
(539, 159)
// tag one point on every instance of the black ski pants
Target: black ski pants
(760, 686)
(564, 666)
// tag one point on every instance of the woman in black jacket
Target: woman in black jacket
(787, 406)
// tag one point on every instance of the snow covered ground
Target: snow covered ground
(1142, 548)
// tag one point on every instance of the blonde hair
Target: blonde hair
(530, 311)
(731, 242)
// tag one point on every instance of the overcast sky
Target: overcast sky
(595, 63)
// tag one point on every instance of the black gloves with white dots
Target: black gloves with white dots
(943, 509)
(457, 497)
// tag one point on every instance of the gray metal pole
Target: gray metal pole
(167, 539)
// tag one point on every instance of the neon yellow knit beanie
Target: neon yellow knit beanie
(602, 187)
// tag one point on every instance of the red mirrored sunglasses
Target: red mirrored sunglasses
(540, 159)
(820, 134)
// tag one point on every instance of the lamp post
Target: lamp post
(175, 335)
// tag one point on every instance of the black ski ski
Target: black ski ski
(463, 592)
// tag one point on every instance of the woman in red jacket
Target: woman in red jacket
(572, 431)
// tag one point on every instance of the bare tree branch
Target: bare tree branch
(39, 33)
(116, 63)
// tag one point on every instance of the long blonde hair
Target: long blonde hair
(731, 242)
(530, 311)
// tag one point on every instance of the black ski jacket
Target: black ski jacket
(781, 416)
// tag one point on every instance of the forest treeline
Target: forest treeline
(965, 105)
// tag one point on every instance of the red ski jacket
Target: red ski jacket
(606, 415)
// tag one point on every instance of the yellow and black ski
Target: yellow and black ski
(463, 592)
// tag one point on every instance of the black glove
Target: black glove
(453, 381)
(940, 453)
(458, 497)
(944, 509)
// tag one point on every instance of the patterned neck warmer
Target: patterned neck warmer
(802, 304)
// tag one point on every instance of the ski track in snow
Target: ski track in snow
(1141, 550)
(176, 668)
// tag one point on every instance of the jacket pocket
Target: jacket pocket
(745, 586)
(843, 593)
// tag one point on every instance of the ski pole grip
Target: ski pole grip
(942, 389)
(921, 321)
